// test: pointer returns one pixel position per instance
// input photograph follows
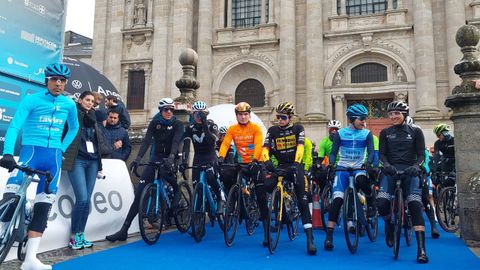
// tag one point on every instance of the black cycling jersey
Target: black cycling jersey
(203, 137)
(444, 152)
(166, 137)
(402, 144)
(283, 142)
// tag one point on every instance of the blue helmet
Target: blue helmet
(223, 130)
(357, 110)
(57, 70)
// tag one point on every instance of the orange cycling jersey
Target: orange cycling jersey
(248, 140)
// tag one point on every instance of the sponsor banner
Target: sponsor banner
(10, 91)
(34, 31)
(109, 205)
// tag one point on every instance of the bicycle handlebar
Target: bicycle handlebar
(150, 163)
(29, 171)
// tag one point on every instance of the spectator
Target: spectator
(111, 103)
(82, 161)
(100, 113)
(118, 137)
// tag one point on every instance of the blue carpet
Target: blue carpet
(179, 251)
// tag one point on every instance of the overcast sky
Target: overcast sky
(80, 17)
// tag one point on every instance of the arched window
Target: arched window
(363, 7)
(252, 92)
(369, 72)
(248, 13)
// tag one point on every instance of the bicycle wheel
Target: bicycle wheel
(350, 219)
(151, 214)
(232, 215)
(274, 222)
(198, 213)
(293, 216)
(252, 211)
(182, 210)
(398, 211)
(8, 226)
(447, 209)
(325, 204)
(372, 222)
(407, 226)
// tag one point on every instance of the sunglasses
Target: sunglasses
(56, 79)
(282, 117)
(168, 109)
(362, 118)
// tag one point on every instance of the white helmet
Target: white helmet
(334, 124)
(165, 102)
(199, 106)
(223, 130)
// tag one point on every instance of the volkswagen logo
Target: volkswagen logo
(77, 84)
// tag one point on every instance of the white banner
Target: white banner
(110, 202)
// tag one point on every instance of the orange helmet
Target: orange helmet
(242, 107)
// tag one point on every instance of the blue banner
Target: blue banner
(31, 34)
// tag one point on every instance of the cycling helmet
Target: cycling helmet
(199, 106)
(334, 124)
(223, 130)
(242, 107)
(398, 106)
(285, 108)
(357, 110)
(409, 120)
(165, 102)
(440, 128)
(57, 70)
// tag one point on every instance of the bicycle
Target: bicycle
(400, 215)
(283, 208)
(241, 197)
(13, 214)
(446, 205)
(199, 207)
(354, 213)
(157, 205)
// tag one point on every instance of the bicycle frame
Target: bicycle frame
(206, 189)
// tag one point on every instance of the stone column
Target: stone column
(465, 104)
(454, 19)
(390, 5)
(424, 59)
(229, 13)
(314, 60)
(338, 99)
(271, 11)
(287, 52)
(263, 12)
(150, 13)
(343, 7)
(204, 46)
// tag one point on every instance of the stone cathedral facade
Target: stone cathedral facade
(322, 55)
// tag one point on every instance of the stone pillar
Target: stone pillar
(465, 104)
(150, 13)
(287, 52)
(390, 5)
(263, 12)
(343, 7)
(424, 59)
(229, 13)
(339, 111)
(454, 19)
(271, 11)
(204, 68)
(187, 84)
(314, 61)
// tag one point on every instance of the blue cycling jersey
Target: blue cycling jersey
(352, 145)
(43, 117)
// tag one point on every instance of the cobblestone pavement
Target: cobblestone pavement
(65, 254)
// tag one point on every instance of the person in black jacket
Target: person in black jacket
(118, 137)
(402, 147)
(164, 134)
(82, 162)
(111, 103)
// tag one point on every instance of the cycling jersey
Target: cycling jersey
(248, 142)
(286, 144)
(325, 148)
(445, 151)
(203, 138)
(403, 144)
(352, 145)
(43, 116)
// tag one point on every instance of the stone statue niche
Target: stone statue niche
(140, 13)
(399, 73)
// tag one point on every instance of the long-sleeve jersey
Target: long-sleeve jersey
(42, 118)
(286, 144)
(352, 145)
(402, 144)
(165, 136)
(248, 141)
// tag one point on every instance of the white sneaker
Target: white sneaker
(35, 264)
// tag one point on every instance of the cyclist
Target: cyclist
(285, 142)
(324, 149)
(402, 148)
(350, 145)
(164, 134)
(228, 175)
(42, 117)
(248, 137)
(427, 190)
(203, 134)
(444, 148)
